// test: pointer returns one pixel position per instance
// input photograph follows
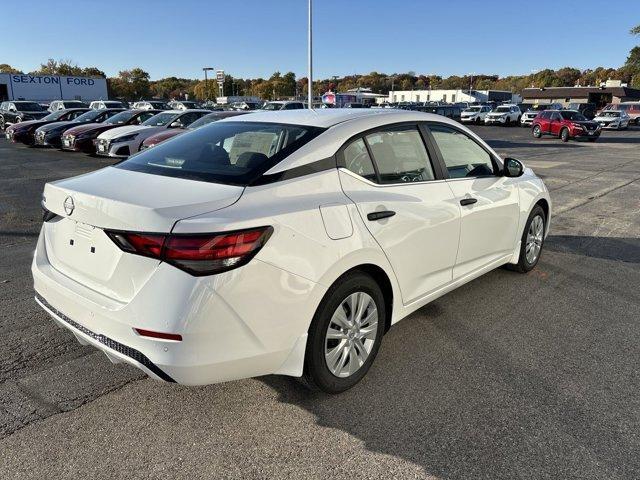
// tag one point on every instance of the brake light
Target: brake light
(197, 254)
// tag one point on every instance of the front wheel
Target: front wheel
(537, 131)
(532, 241)
(564, 135)
(345, 334)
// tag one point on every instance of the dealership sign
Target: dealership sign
(53, 87)
(48, 79)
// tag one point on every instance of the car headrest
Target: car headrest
(251, 159)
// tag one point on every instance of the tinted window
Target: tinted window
(160, 119)
(577, 116)
(357, 159)
(400, 155)
(121, 118)
(462, 156)
(235, 153)
(28, 106)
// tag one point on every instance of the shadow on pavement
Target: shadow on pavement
(609, 248)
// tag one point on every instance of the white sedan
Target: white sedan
(280, 242)
(124, 141)
(613, 119)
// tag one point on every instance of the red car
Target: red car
(80, 138)
(565, 124)
(167, 134)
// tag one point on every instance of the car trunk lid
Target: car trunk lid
(115, 199)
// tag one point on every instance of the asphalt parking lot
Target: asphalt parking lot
(511, 376)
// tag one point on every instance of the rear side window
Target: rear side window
(462, 156)
(357, 159)
(400, 155)
(235, 153)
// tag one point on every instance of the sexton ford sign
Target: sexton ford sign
(52, 87)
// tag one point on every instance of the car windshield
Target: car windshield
(205, 120)
(502, 109)
(272, 106)
(54, 115)
(120, 118)
(472, 109)
(28, 106)
(160, 120)
(576, 116)
(88, 116)
(610, 114)
(538, 108)
(235, 153)
(158, 105)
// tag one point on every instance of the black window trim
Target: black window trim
(428, 144)
(497, 170)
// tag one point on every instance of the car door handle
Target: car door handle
(468, 201)
(373, 216)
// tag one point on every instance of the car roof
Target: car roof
(328, 117)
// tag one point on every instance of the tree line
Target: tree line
(136, 84)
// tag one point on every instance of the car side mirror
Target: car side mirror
(513, 167)
(176, 124)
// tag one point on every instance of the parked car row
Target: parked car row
(113, 132)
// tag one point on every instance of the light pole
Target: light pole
(206, 82)
(310, 57)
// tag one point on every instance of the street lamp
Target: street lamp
(206, 82)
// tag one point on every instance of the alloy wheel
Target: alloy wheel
(535, 236)
(351, 334)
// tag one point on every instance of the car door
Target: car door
(406, 205)
(488, 202)
(544, 120)
(555, 124)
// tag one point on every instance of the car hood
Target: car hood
(606, 119)
(54, 125)
(124, 130)
(34, 114)
(498, 114)
(162, 136)
(587, 123)
(26, 125)
(83, 128)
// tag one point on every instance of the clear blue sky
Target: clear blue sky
(251, 38)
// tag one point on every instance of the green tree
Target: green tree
(6, 68)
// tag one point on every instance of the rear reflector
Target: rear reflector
(161, 335)
(197, 254)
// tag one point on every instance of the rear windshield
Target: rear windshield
(235, 153)
(28, 106)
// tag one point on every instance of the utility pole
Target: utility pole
(206, 82)
(310, 57)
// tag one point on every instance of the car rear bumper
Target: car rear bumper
(242, 323)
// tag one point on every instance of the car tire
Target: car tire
(2, 124)
(478, 121)
(536, 131)
(564, 135)
(349, 345)
(526, 261)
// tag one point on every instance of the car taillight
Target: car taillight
(197, 254)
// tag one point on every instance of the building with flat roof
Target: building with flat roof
(600, 96)
(452, 96)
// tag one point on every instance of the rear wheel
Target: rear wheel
(564, 134)
(537, 131)
(2, 124)
(345, 334)
(532, 241)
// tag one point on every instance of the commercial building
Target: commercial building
(609, 92)
(51, 87)
(453, 96)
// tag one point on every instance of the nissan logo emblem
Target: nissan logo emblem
(68, 205)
